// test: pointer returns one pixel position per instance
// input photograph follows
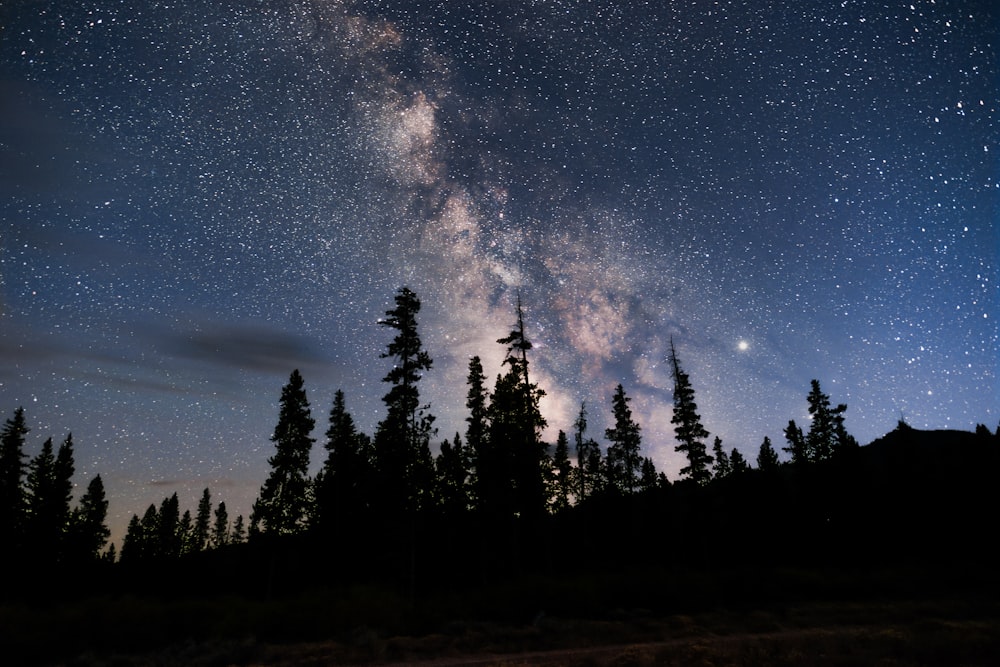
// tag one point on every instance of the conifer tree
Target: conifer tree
(477, 432)
(44, 520)
(819, 441)
(168, 537)
(202, 522)
(239, 532)
(767, 458)
(737, 463)
(626, 440)
(402, 439)
(723, 467)
(453, 477)
(283, 504)
(134, 542)
(649, 479)
(345, 484)
(589, 468)
(220, 528)
(185, 532)
(89, 531)
(149, 533)
(516, 425)
(562, 473)
(688, 429)
(796, 444)
(12, 472)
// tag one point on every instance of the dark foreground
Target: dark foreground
(912, 618)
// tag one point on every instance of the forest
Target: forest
(503, 526)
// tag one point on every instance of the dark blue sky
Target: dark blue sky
(199, 197)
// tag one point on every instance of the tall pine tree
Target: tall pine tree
(12, 472)
(626, 440)
(402, 439)
(284, 501)
(687, 424)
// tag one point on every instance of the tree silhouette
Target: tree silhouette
(688, 429)
(220, 527)
(48, 491)
(767, 458)
(516, 425)
(588, 457)
(89, 532)
(202, 522)
(168, 536)
(283, 504)
(12, 472)
(344, 485)
(796, 448)
(239, 532)
(737, 463)
(626, 440)
(723, 466)
(562, 474)
(402, 439)
(477, 431)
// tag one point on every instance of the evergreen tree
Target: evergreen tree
(723, 467)
(89, 532)
(220, 529)
(47, 503)
(738, 464)
(516, 425)
(12, 472)
(239, 534)
(796, 444)
(819, 441)
(453, 473)
(402, 439)
(589, 467)
(767, 458)
(202, 522)
(134, 542)
(648, 478)
(185, 533)
(477, 432)
(344, 485)
(562, 470)
(623, 453)
(688, 429)
(284, 501)
(168, 537)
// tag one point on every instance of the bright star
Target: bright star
(743, 346)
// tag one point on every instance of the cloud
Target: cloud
(250, 347)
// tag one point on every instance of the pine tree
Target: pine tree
(796, 444)
(220, 528)
(44, 519)
(723, 467)
(453, 474)
(239, 534)
(344, 485)
(168, 536)
(185, 531)
(688, 429)
(12, 472)
(562, 483)
(623, 453)
(402, 439)
(516, 425)
(149, 533)
(283, 504)
(767, 458)
(89, 530)
(134, 542)
(649, 480)
(738, 464)
(819, 440)
(477, 431)
(202, 522)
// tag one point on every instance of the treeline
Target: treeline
(38, 522)
(496, 498)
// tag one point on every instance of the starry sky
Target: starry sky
(198, 197)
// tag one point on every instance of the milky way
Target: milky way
(198, 198)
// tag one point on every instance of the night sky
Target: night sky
(198, 197)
